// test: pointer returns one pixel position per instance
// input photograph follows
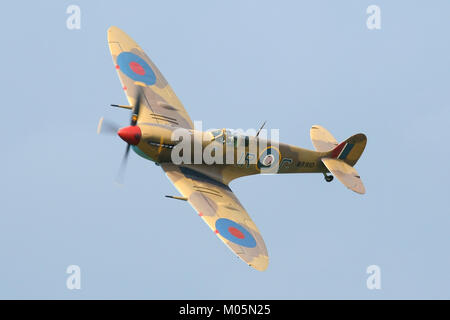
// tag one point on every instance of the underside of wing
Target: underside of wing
(217, 205)
(136, 71)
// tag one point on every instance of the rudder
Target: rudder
(350, 150)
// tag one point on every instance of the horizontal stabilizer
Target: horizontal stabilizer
(345, 174)
(322, 139)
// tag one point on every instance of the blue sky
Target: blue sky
(233, 64)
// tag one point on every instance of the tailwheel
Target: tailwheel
(328, 178)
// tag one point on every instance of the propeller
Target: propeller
(106, 126)
(123, 165)
(131, 134)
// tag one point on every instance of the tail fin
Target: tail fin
(350, 150)
(340, 158)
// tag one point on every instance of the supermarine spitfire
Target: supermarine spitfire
(157, 113)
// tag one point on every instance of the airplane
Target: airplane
(156, 113)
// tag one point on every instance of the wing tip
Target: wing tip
(112, 31)
(260, 263)
(115, 34)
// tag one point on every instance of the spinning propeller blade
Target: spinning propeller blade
(106, 127)
(123, 165)
(131, 135)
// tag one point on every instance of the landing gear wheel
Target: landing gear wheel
(329, 178)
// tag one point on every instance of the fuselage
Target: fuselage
(233, 155)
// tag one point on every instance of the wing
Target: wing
(135, 70)
(217, 205)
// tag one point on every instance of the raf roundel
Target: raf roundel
(234, 232)
(136, 68)
(268, 158)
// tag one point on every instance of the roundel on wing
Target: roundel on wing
(234, 232)
(136, 68)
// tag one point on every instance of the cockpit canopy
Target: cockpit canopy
(228, 137)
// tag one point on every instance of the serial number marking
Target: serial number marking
(306, 164)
